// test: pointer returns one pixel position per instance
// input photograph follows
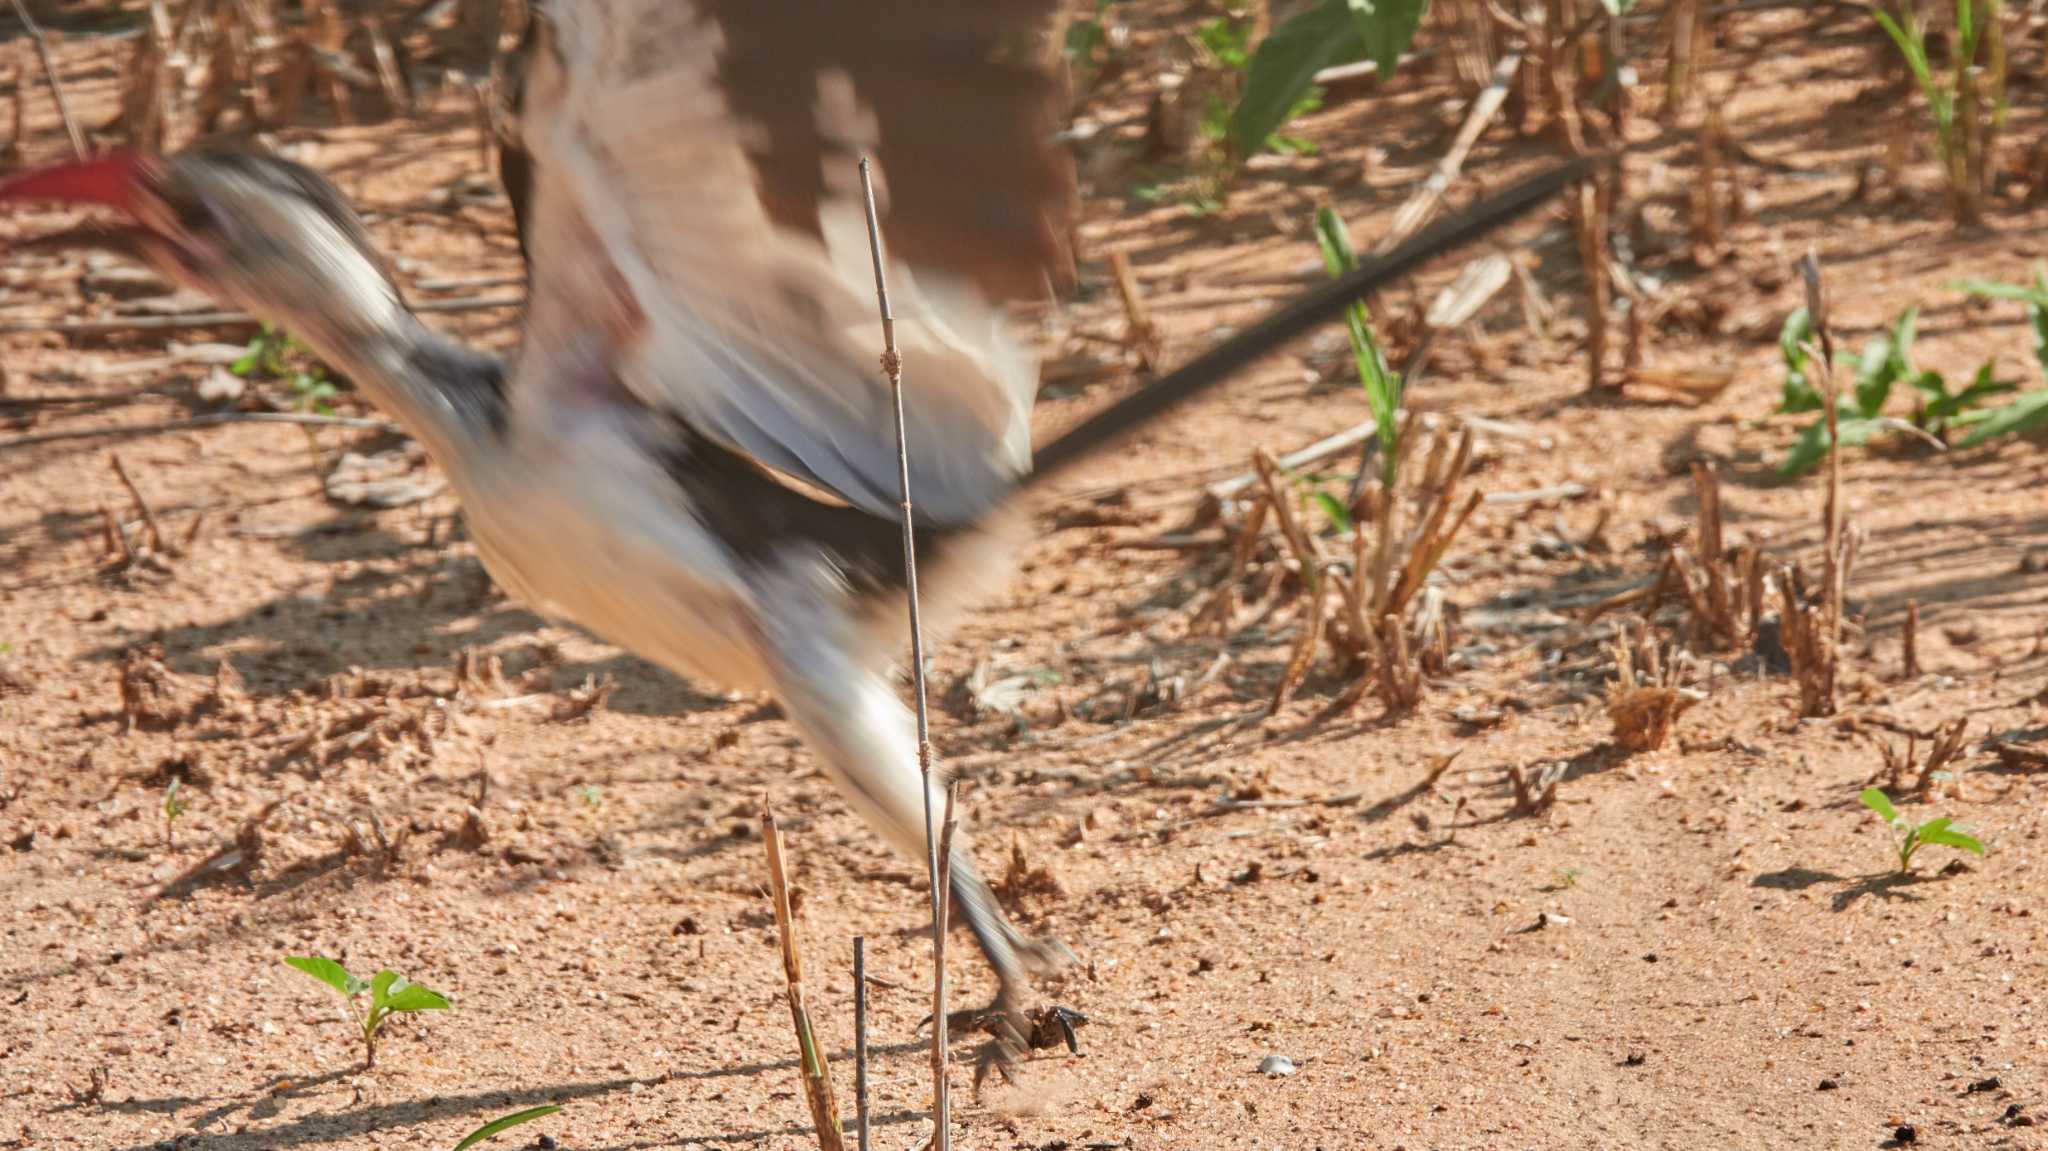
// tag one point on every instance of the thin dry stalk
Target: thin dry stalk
(1534, 796)
(1647, 696)
(942, 1083)
(816, 1073)
(1678, 76)
(1423, 204)
(860, 1042)
(42, 44)
(1590, 216)
(1141, 333)
(156, 535)
(1709, 214)
(1911, 659)
(892, 366)
(1308, 555)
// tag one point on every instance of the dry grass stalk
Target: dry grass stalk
(1534, 796)
(1686, 48)
(1421, 206)
(1590, 219)
(816, 1073)
(146, 102)
(1902, 765)
(1723, 592)
(1911, 641)
(42, 44)
(938, 860)
(1141, 333)
(860, 1042)
(1647, 695)
(1309, 557)
(942, 1110)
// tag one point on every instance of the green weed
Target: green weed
(1908, 837)
(1382, 384)
(1968, 104)
(275, 355)
(1885, 363)
(390, 994)
(506, 1122)
(2029, 411)
(174, 806)
(1280, 74)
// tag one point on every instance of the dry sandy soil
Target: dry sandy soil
(1701, 945)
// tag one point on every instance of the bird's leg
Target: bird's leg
(866, 741)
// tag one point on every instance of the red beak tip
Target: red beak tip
(110, 178)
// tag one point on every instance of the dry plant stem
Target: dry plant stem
(1911, 643)
(1308, 556)
(1833, 562)
(1591, 217)
(50, 70)
(1418, 209)
(892, 366)
(1141, 334)
(860, 1041)
(156, 535)
(1679, 74)
(817, 1075)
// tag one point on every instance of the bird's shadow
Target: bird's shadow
(1896, 886)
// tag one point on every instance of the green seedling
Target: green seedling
(505, 1122)
(1910, 837)
(2029, 411)
(390, 994)
(272, 354)
(174, 806)
(1968, 104)
(1280, 74)
(1886, 361)
(1383, 391)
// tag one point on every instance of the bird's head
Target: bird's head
(260, 233)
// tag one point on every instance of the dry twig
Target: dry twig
(817, 1074)
(936, 866)
(42, 43)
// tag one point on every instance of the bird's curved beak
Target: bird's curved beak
(113, 179)
(124, 181)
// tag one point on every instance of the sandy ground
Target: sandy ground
(1699, 946)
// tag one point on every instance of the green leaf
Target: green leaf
(1812, 446)
(1386, 28)
(329, 972)
(380, 989)
(1283, 69)
(1382, 385)
(1996, 290)
(1799, 395)
(1949, 837)
(505, 1122)
(2026, 413)
(1333, 508)
(1880, 803)
(407, 997)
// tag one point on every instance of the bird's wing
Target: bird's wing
(697, 234)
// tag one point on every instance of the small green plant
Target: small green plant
(174, 806)
(390, 994)
(1280, 73)
(2029, 411)
(592, 798)
(1382, 384)
(1968, 104)
(1886, 361)
(275, 355)
(504, 1123)
(1910, 837)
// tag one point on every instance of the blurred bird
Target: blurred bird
(693, 454)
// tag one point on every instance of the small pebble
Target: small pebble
(1276, 1065)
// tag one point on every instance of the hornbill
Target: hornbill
(692, 454)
